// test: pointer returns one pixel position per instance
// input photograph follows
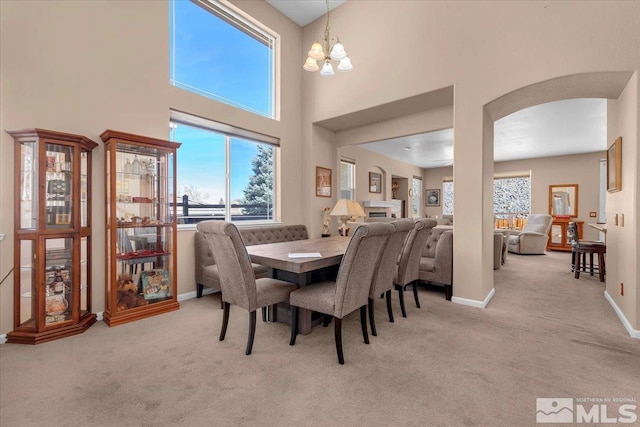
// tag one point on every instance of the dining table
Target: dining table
(302, 262)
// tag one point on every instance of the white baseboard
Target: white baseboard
(3, 338)
(633, 332)
(193, 294)
(473, 302)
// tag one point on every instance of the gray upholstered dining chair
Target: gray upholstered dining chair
(350, 291)
(409, 264)
(383, 276)
(237, 278)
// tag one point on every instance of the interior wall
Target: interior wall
(467, 50)
(369, 161)
(86, 66)
(581, 169)
(622, 239)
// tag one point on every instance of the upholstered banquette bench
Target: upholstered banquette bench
(206, 269)
(436, 262)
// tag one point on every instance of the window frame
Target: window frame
(352, 190)
(416, 197)
(229, 132)
(243, 22)
(497, 176)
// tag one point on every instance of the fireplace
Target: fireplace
(377, 214)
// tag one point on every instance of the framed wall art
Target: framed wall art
(375, 182)
(323, 182)
(432, 197)
(614, 166)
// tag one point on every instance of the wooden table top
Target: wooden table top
(276, 255)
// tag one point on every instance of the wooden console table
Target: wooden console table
(558, 240)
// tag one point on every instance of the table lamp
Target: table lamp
(346, 209)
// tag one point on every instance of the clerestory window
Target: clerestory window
(220, 54)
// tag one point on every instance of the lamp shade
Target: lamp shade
(310, 64)
(338, 52)
(327, 70)
(345, 64)
(316, 51)
(346, 207)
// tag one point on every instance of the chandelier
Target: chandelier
(322, 50)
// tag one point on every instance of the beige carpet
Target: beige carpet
(544, 334)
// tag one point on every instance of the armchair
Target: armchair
(533, 237)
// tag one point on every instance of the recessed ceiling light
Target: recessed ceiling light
(407, 148)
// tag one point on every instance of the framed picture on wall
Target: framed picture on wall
(323, 182)
(375, 182)
(432, 197)
(614, 166)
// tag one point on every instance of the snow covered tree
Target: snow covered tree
(259, 191)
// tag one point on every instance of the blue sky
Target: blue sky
(214, 59)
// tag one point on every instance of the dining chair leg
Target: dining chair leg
(199, 289)
(338, 336)
(326, 319)
(372, 320)
(225, 320)
(363, 323)
(264, 314)
(577, 272)
(591, 263)
(389, 309)
(294, 324)
(601, 266)
(401, 298)
(415, 293)
(252, 331)
(221, 301)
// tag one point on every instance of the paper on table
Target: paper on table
(305, 255)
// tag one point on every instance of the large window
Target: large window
(511, 195)
(347, 179)
(217, 53)
(224, 172)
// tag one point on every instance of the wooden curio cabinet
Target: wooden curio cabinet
(52, 253)
(558, 236)
(140, 227)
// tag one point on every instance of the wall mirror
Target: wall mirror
(563, 200)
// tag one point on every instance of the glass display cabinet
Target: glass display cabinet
(140, 226)
(52, 276)
(558, 236)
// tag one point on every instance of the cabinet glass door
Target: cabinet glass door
(27, 283)
(58, 280)
(84, 189)
(556, 234)
(28, 180)
(85, 271)
(58, 186)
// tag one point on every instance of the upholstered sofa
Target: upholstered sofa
(206, 269)
(436, 262)
(533, 237)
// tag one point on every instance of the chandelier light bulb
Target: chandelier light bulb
(345, 64)
(327, 70)
(316, 51)
(338, 52)
(310, 65)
